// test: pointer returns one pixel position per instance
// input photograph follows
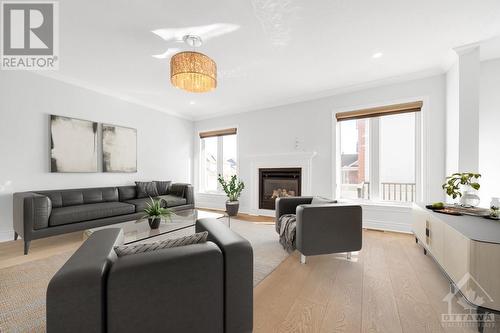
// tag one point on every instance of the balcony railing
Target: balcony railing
(400, 192)
(396, 192)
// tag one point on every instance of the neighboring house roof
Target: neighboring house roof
(349, 160)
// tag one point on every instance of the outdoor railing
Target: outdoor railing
(401, 192)
(396, 192)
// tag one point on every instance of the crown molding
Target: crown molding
(330, 92)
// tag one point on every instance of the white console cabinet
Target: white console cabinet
(468, 250)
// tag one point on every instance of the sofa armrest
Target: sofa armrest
(31, 212)
(189, 194)
(289, 205)
(76, 294)
(238, 274)
(171, 290)
(328, 228)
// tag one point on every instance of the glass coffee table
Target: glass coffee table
(139, 230)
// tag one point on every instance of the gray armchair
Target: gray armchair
(323, 228)
(194, 288)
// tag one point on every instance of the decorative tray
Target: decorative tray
(458, 210)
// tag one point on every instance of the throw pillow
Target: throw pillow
(177, 190)
(125, 250)
(146, 189)
(162, 186)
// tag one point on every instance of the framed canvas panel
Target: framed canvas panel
(119, 149)
(73, 145)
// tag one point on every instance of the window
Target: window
(218, 155)
(354, 159)
(377, 153)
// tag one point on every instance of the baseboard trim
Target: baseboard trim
(6, 235)
(387, 226)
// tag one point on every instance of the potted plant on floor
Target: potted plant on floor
(463, 186)
(233, 190)
(155, 211)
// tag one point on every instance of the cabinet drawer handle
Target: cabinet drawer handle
(427, 232)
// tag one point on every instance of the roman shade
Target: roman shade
(380, 111)
(222, 132)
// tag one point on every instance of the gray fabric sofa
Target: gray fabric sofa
(39, 214)
(323, 228)
(195, 288)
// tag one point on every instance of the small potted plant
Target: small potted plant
(154, 213)
(463, 185)
(233, 190)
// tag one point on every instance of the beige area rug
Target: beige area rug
(267, 251)
(22, 293)
(23, 287)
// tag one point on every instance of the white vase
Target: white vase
(469, 198)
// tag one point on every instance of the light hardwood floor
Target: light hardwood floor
(389, 286)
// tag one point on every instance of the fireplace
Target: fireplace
(278, 182)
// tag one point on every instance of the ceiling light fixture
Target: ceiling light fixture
(377, 55)
(193, 71)
(192, 103)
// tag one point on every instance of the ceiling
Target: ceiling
(281, 51)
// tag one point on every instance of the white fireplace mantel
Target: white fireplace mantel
(301, 160)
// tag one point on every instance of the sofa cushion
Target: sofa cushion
(177, 189)
(80, 213)
(127, 192)
(124, 250)
(96, 195)
(162, 186)
(72, 198)
(146, 189)
(173, 200)
(140, 204)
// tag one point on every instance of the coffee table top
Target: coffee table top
(139, 230)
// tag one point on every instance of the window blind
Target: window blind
(222, 132)
(380, 111)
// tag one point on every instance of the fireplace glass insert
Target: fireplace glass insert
(278, 182)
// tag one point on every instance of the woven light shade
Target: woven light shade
(193, 72)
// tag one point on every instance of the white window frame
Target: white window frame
(374, 149)
(220, 162)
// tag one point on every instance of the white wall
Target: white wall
(164, 142)
(489, 129)
(275, 130)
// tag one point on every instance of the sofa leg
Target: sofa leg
(302, 259)
(348, 255)
(15, 235)
(26, 247)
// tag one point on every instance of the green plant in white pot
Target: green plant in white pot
(233, 189)
(464, 186)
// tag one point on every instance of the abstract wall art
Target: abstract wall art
(119, 149)
(73, 145)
